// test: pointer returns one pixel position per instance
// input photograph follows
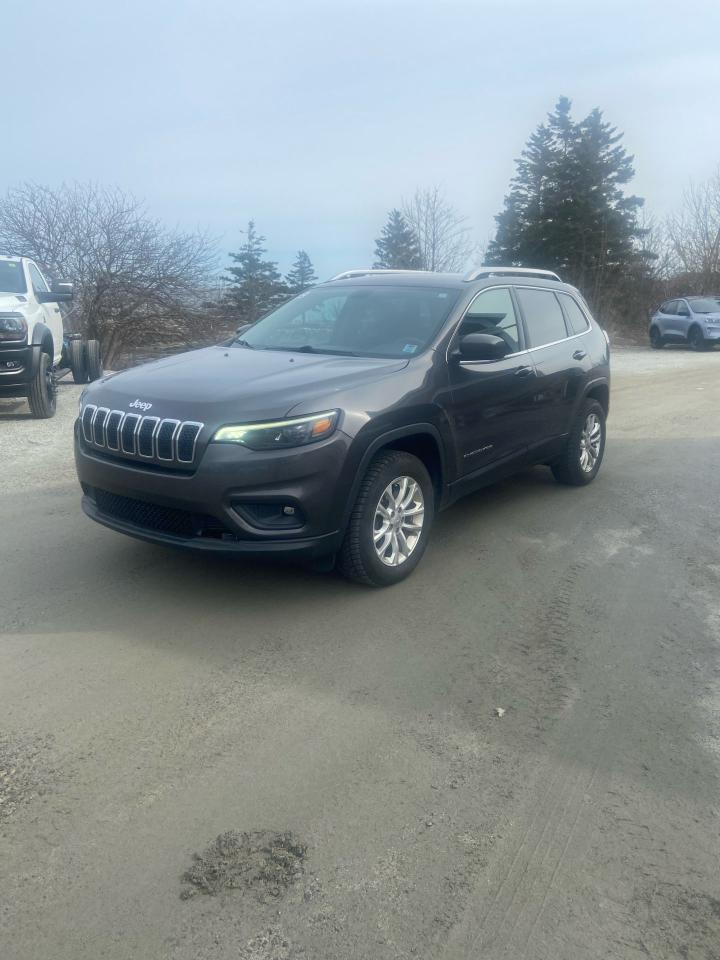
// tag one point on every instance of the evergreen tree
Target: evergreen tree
(397, 247)
(256, 284)
(567, 209)
(302, 274)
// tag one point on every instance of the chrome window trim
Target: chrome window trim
(188, 423)
(151, 455)
(172, 440)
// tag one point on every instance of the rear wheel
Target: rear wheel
(696, 339)
(390, 522)
(43, 390)
(93, 360)
(585, 447)
(656, 339)
(76, 356)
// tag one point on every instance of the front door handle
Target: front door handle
(523, 371)
(579, 355)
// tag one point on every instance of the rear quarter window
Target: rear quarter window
(576, 318)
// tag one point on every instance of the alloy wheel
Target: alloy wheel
(590, 441)
(398, 521)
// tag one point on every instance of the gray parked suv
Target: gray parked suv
(691, 320)
(339, 424)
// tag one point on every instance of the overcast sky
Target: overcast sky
(316, 118)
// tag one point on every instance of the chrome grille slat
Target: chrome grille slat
(135, 436)
(98, 427)
(146, 437)
(86, 420)
(113, 422)
(165, 439)
(131, 422)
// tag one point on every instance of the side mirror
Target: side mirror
(482, 346)
(60, 293)
(242, 328)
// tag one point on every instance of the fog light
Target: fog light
(289, 511)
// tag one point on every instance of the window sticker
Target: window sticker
(410, 348)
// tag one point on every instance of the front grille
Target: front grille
(152, 516)
(132, 435)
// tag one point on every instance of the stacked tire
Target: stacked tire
(85, 360)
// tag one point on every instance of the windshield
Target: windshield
(12, 278)
(705, 305)
(381, 321)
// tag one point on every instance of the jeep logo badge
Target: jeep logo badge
(140, 405)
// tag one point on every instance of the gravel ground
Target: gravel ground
(155, 705)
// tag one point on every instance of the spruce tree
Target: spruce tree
(255, 283)
(302, 274)
(567, 209)
(397, 247)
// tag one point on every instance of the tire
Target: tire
(569, 467)
(93, 361)
(359, 559)
(43, 390)
(656, 340)
(76, 357)
(696, 340)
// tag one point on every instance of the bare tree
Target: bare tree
(136, 282)
(442, 233)
(694, 235)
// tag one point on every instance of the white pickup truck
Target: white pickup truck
(32, 343)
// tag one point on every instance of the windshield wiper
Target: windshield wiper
(243, 343)
(308, 348)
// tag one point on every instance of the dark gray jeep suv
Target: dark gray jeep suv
(335, 427)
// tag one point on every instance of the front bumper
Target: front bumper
(233, 502)
(18, 364)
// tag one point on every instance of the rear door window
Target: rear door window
(543, 317)
(576, 318)
(669, 308)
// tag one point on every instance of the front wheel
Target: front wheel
(696, 340)
(656, 339)
(584, 448)
(390, 521)
(43, 390)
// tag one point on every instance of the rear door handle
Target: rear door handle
(524, 371)
(579, 355)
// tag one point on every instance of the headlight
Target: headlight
(280, 433)
(13, 327)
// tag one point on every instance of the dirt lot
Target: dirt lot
(323, 768)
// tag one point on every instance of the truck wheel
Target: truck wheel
(93, 361)
(43, 390)
(76, 356)
(390, 521)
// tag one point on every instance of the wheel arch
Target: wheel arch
(422, 440)
(598, 390)
(42, 337)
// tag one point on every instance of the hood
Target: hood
(15, 302)
(222, 384)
